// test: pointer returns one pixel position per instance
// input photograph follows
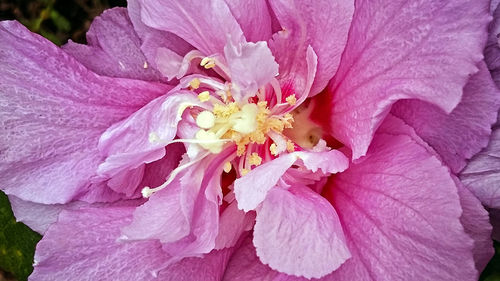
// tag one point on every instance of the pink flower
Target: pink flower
(283, 140)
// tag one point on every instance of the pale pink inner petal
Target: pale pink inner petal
(251, 67)
(251, 189)
(322, 24)
(204, 24)
(299, 233)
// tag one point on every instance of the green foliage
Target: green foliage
(492, 271)
(17, 242)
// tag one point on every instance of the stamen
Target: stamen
(244, 172)
(195, 83)
(290, 146)
(204, 96)
(291, 100)
(227, 167)
(255, 159)
(207, 62)
(145, 65)
(274, 149)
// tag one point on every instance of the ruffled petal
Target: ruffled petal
(154, 41)
(83, 245)
(477, 225)
(253, 17)
(113, 48)
(251, 66)
(401, 214)
(492, 50)
(233, 222)
(303, 224)
(35, 215)
(52, 112)
(245, 265)
(482, 173)
(184, 215)
(400, 50)
(210, 267)
(465, 131)
(322, 24)
(252, 189)
(206, 25)
(141, 138)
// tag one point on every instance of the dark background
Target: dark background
(58, 21)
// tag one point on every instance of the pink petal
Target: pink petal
(35, 215)
(252, 189)
(83, 245)
(210, 267)
(401, 215)
(233, 222)
(152, 40)
(323, 25)
(296, 73)
(476, 223)
(206, 25)
(52, 112)
(113, 48)
(251, 67)
(462, 133)
(127, 144)
(161, 217)
(399, 50)
(298, 232)
(492, 50)
(245, 265)
(184, 215)
(253, 17)
(482, 176)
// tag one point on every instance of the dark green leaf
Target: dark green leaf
(17, 243)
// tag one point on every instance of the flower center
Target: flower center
(248, 124)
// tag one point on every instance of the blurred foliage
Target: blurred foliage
(492, 271)
(17, 243)
(58, 21)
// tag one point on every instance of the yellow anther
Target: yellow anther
(145, 65)
(244, 171)
(207, 62)
(255, 159)
(274, 149)
(204, 96)
(227, 167)
(290, 146)
(224, 111)
(291, 100)
(241, 149)
(195, 83)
